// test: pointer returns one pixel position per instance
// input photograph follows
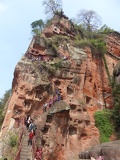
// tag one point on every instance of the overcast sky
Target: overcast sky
(15, 31)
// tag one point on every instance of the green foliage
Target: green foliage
(11, 144)
(98, 47)
(57, 40)
(81, 31)
(60, 38)
(105, 29)
(57, 65)
(2, 116)
(54, 42)
(37, 26)
(95, 41)
(53, 48)
(5, 98)
(116, 109)
(82, 43)
(116, 91)
(52, 67)
(3, 102)
(13, 139)
(36, 31)
(103, 123)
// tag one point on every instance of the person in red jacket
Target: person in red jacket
(31, 134)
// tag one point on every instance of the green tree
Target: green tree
(37, 26)
(52, 6)
(105, 29)
(5, 98)
(90, 20)
(3, 102)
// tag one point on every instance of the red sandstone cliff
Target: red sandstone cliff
(68, 127)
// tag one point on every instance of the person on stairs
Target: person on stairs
(34, 129)
(27, 121)
(45, 107)
(50, 102)
(31, 134)
(31, 126)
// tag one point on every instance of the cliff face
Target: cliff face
(53, 68)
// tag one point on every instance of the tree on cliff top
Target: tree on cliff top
(90, 20)
(52, 6)
(37, 26)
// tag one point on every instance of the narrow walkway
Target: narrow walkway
(26, 151)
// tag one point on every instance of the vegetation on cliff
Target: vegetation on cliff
(11, 141)
(116, 109)
(103, 122)
(3, 105)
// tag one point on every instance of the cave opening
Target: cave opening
(72, 130)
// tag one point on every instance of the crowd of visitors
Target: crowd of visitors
(37, 57)
(31, 127)
(56, 97)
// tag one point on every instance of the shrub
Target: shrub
(82, 43)
(103, 123)
(98, 47)
(57, 65)
(11, 144)
(105, 29)
(116, 109)
(13, 139)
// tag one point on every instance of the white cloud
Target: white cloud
(3, 7)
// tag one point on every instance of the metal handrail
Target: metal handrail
(20, 146)
(20, 140)
(34, 147)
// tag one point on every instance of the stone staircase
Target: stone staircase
(26, 151)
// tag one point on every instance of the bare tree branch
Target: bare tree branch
(52, 6)
(90, 19)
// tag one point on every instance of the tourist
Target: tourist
(56, 91)
(54, 99)
(31, 126)
(31, 134)
(45, 107)
(50, 102)
(27, 121)
(59, 97)
(34, 129)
